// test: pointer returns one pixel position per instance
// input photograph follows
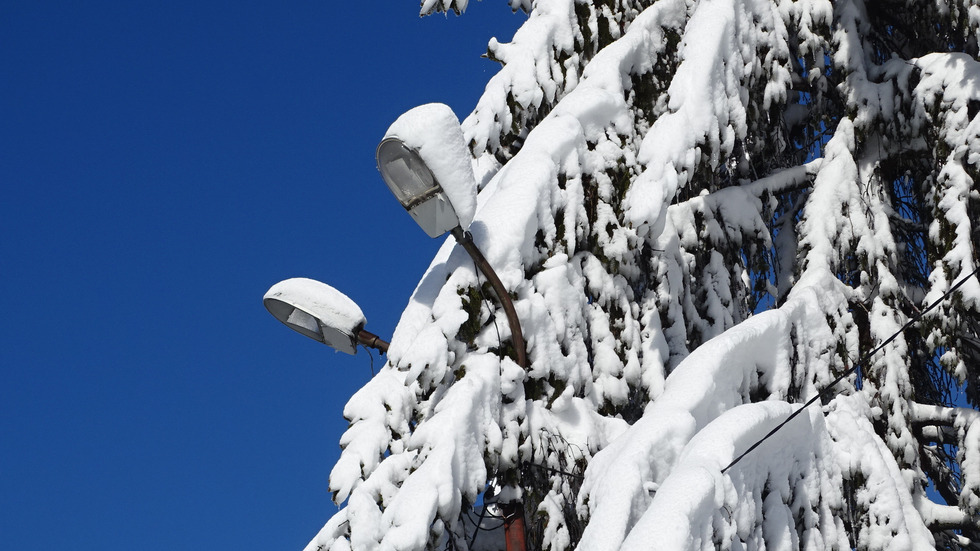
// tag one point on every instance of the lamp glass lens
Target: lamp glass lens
(299, 318)
(404, 172)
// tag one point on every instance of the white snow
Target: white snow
(893, 522)
(696, 507)
(332, 307)
(629, 235)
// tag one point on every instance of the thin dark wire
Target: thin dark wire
(553, 470)
(477, 524)
(552, 438)
(862, 360)
(370, 355)
(479, 289)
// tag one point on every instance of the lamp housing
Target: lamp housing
(415, 187)
(318, 311)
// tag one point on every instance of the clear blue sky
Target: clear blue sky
(163, 164)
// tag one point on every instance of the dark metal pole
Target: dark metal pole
(466, 240)
(371, 340)
(513, 512)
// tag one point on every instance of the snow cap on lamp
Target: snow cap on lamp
(433, 132)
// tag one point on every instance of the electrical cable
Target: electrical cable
(477, 525)
(862, 360)
(370, 355)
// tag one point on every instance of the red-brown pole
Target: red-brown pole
(514, 526)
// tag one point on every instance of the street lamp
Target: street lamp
(322, 313)
(425, 163)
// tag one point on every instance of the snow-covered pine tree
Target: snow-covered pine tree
(706, 211)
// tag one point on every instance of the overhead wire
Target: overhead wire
(862, 360)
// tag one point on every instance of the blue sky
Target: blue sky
(162, 165)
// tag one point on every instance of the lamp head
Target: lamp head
(316, 310)
(415, 187)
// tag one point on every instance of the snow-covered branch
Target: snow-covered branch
(653, 176)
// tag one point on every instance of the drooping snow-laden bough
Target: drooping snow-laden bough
(705, 210)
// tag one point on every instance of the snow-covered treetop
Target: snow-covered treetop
(705, 212)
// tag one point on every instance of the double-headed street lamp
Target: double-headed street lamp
(425, 163)
(426, 169)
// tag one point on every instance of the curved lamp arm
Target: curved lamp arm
(466, 240)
